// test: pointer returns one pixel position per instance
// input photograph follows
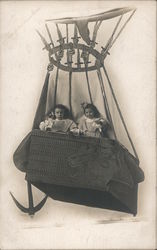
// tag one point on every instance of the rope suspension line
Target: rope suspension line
(56, 85)
(120, 113)
(108, 114)
(67, 33)
(70, 90)
(88, 85)
(75, 42)
(103, 94)
(116, 27)
(67, 40)
(95, 31)
(108, 44)
(122, 28)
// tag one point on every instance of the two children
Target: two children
(91, 123)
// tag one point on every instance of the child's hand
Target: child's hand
(69, 132)
(99, 122)
(49, 123)
(42, 126)
(46, 125)
(75, 132)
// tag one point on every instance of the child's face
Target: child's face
(59, 113)
(89, 113)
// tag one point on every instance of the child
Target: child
(91, 123)
(58, 121)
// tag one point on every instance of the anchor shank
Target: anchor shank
(30, 198)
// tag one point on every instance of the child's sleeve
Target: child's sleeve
(74, 128)
(44, 125)
(81, 122)
(73, 125)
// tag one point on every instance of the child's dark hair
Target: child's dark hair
(60, 106)
(93, 107)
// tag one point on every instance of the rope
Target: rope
(108, 114)
(111, 37)
(95, 31)
(120, 113)
(67, 40)
(88, 85)
(70, 72)
(105, 104)
(56, 84)
(67, 32)
(70, 90)
(122, 28)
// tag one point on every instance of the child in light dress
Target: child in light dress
(58, 121)
(91, 123)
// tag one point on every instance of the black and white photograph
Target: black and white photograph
(78, 124)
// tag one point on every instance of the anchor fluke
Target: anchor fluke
(41, 204)
(22, 208)
(31, 210)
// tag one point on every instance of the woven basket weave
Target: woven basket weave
(80, 161)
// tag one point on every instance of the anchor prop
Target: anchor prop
(31, 210)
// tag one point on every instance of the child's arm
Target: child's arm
(42, 126)
(102, 122)
(104, 126)
(74, 129)
(81, 126)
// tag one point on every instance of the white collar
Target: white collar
(59, 120)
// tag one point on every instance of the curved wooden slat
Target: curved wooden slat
(101, 16)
